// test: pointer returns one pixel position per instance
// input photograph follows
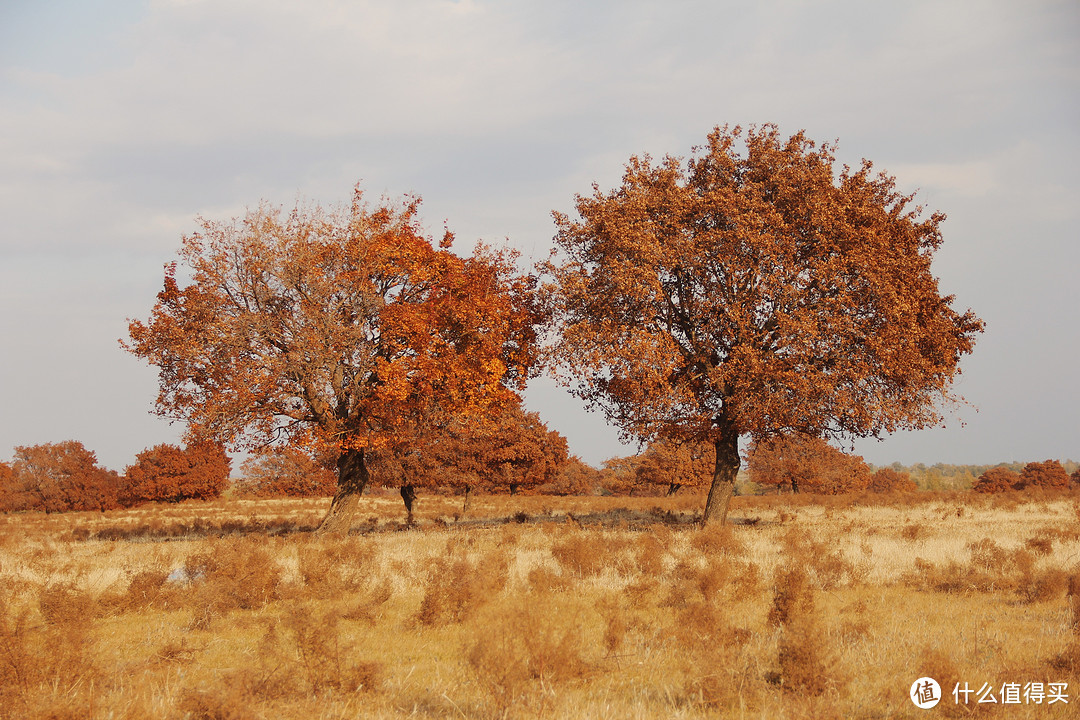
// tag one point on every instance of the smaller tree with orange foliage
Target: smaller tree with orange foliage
(512, 450)
(287, 472)
(673, 465)
(167, 473)
(996, 480)
(804, 463)
(886, 480)
(7, 487)
(576, 477)
(1048, 474)
(61, 477)
(619, 475)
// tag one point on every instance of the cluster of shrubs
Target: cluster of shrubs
(1049, 475)
(66, 477)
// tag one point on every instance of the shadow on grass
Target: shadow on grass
(199, 528)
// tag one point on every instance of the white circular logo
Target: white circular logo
(925, 693)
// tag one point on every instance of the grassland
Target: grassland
(541, 607)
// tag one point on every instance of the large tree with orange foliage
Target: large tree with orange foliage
(754, 289)
(331, 330)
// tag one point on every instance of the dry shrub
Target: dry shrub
(807, 666)
(613, 612)
(793, 596)
(145, 589)
(913, 532)
(47, 669)
(642, 592)
(803, 667)
(336, 566)
(745, 581)
(827, 563)
(1040, 545)
(1073, 593)
(941, 666)
(1045, 586)
(323, 659)
(709, 650)
(581, 554)
(650, 554)
(21, 662)
(226, 703)
(990, 568)
(702, 626)
(231, 574)
(66, 605)
(523, 651)
(718, 540)
(457, 586)
(545, 580)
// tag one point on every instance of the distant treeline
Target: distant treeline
(944, 476)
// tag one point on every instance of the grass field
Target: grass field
(544, 607)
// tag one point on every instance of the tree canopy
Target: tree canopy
(750, 290)
(333, 329)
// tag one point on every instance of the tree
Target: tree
(167, 473)
(887, 480)
(804, 463)
(753, 293)
(673, 465)
(1046, 474)
(332, 331)
(995, 480)
(511, 450)
(285, 471)
(620, 474)
(61, 477)
(8, 488)
(517, 453)
(574, 478)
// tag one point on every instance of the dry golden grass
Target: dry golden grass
(539, 607)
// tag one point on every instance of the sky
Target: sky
(123, 121)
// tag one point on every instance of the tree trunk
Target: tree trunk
(352, 478)
(723, 482)
(673, 488)
(408, 496)
(465, 505)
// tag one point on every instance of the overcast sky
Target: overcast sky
(121, 121)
